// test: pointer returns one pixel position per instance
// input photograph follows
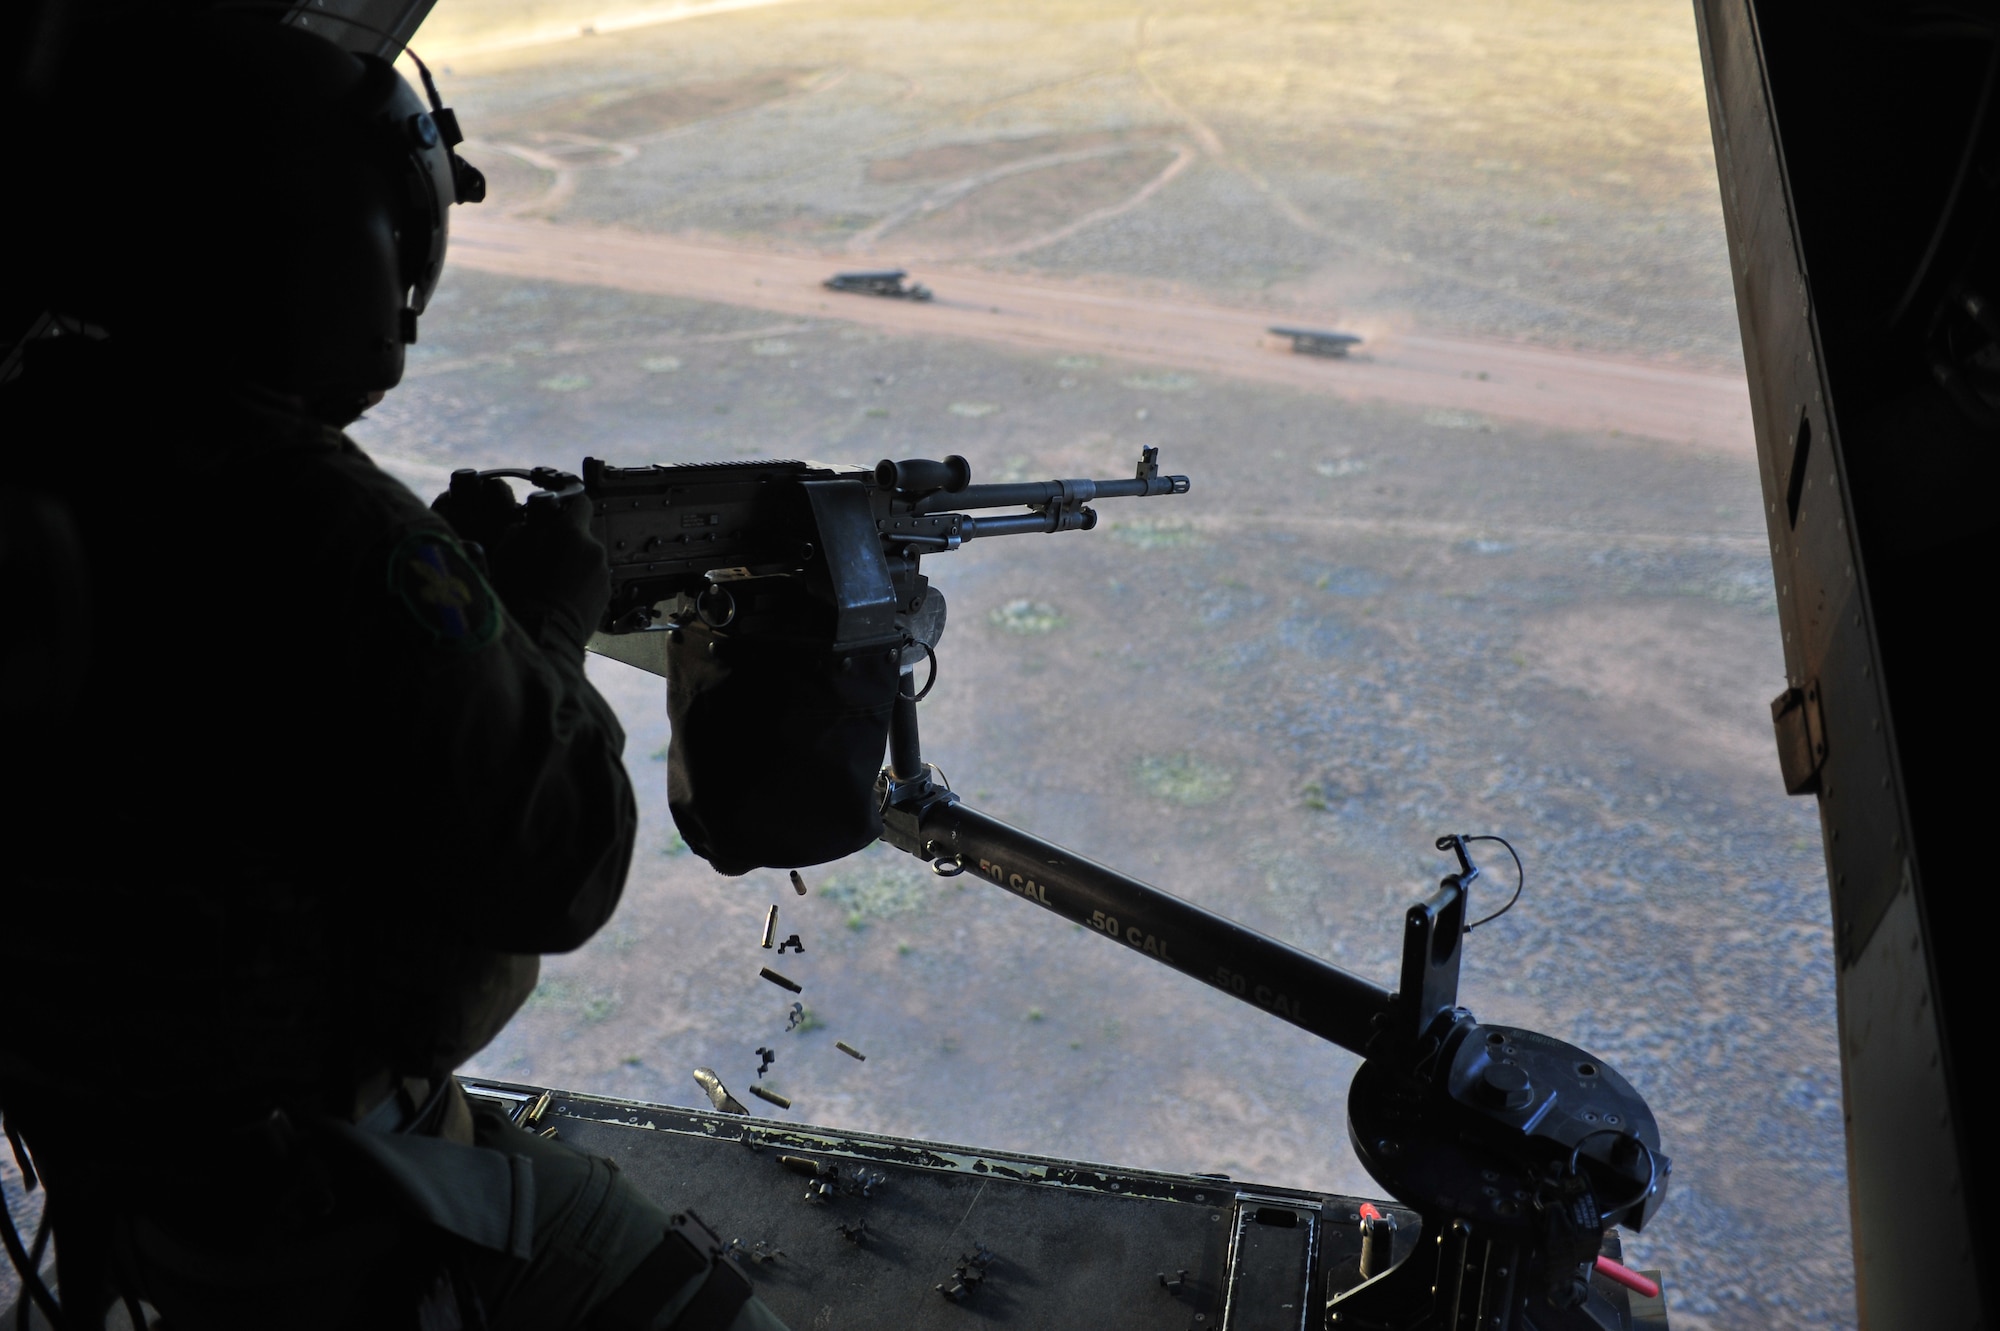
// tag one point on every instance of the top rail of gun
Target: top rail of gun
(1036, 494)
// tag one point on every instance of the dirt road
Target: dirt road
(1565, 390)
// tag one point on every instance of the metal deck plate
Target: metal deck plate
(1067, 1240)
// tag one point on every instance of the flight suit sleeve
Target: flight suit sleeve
(503, 781)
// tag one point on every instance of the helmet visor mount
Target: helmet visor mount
(426, 176)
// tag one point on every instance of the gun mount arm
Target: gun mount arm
(1516, 1150)
(1301, 989)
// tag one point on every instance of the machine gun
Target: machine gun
(784, 604)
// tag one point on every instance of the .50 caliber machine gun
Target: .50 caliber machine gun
(784, 604)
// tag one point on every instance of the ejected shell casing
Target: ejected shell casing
(776, 1099)
(848, 1049)
(718, 1094)
(798, 883)
(781, 981)
(811, 1168)
(771, 924)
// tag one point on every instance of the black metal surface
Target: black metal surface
(905, 759)
(865, 602)
(1271, 1256)
(1071, 1244)
(1843, 138)
(1036, 494)
(1023, 524)
(1463, 1280)
(1301, 989)
(1479, 1155)
(1433, 943)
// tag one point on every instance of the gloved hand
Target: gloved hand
(552, 572)
(483, 513)
(542, 559)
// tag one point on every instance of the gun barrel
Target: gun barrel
(1039, 494)
(1051, 519)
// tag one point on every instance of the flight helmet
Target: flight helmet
(235, 198)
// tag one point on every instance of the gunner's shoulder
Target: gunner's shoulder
(346, 483)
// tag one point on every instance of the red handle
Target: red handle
(1627, 1277)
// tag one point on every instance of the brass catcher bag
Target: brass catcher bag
(777, 741)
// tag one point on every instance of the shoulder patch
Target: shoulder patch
(443, 592)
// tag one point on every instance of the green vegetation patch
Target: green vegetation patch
(1025, 616)
(878, 884)
(1157, 533)
(1184, 779)
(565, 383)
(561, 993)
(1165, 381)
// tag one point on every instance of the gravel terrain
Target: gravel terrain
(1538, 170)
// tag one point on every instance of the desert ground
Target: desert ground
(1503, 572)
